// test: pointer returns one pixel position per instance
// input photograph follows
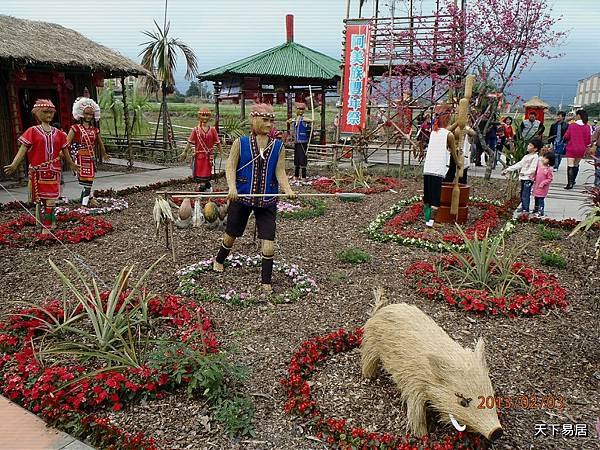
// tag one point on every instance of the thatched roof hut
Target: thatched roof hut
(45, 60)
(29, 42)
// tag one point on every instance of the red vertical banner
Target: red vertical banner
(356, 75)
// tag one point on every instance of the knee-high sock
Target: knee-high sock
(85, 195)
(304, 172)
(296, 171)
(267, 269)
(48, 218)
(223, 253)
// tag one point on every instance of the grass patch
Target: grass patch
(338, 277)
(310, 208)
(553, 259)
(548, 234)
(354, 255)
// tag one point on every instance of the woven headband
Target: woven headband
(260, 114)
(44, 104)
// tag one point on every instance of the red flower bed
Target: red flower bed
(336, 432)
(327, 185)
(44, 390)
(566, 224)
(88, 228)
(489, 221)
(546, 291)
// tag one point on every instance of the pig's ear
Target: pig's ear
(480, 351)
(440, 367)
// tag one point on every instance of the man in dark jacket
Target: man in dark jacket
(557, 133)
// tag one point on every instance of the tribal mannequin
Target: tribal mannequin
(301, 130)
(256, 165)
(441, 144)
(43, 145)
(85, 137)
(203, 138)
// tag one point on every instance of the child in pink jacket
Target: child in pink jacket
(541, 184)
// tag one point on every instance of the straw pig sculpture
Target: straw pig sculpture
(429, 368)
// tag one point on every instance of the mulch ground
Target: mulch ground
(557, 353)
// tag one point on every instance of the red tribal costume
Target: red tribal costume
(85, 143)
(43, 154)
(204, 142)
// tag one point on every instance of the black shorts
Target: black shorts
(300, 156)
(432, 189)
(237, 219)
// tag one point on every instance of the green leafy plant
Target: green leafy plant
(212, 376)
(107, 329)
(553, 258)
(236, 416)
(338, 277)
(486, 264)
(234, 127)
(354, 256)
(310, 208)
(548, 234)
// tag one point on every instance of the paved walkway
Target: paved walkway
(104, 180)
(22, 430)
(560, 204)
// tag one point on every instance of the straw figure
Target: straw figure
(256, 165)
(429, 368)
(301, 129)
(203, 138)
(43, 144)
(85, 138)
(459, 128)
(441, 145)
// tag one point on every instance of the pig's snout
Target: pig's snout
(496, 434)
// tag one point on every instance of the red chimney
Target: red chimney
(289, 27)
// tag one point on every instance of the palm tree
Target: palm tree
(160, 58)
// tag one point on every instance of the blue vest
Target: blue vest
(300, 131)
(256, 175)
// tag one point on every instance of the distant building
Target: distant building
(588, 90)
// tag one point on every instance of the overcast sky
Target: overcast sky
(222, 31)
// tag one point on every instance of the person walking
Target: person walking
(596, 155)
(531, 127)
(541, 184)
(556, 138)
(527, 168)
(578, 137)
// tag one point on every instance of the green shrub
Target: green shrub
(548, 234)
(338, 277)
(486, 264)
(236, 416)
(354, 256)
(553, 259)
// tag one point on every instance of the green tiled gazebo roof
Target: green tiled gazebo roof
(288, 61)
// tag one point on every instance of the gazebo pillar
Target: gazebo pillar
(289, 106)
(242, 105)
(323, 108)
(217, 91)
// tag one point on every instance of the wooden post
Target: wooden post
(323, 111)
(127, 128)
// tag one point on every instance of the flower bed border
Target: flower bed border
(334, 431)
(565, 224)
(188, 285)
(116, 204)
(41, 391)
(327, 185)
(136, 189)
(311, 208)
(548, 291)
(90, 228)
(374, 230)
